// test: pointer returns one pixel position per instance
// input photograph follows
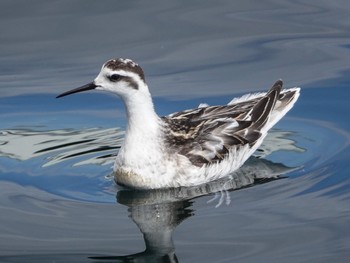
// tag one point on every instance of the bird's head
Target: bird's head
(120, 76)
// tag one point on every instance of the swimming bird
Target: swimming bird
(190, 147)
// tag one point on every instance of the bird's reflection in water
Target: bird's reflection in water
(158, 212)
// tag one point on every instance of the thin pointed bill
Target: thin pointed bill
(86, 87)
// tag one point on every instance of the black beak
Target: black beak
(88, 86)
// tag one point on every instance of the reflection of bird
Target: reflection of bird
(157, 213)
(157, 223)
(191, 147)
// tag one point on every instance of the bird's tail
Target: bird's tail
(283, 103)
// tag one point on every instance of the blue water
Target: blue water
(58, 201)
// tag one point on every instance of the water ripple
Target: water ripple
(61, 145)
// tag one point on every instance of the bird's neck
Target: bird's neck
(141, 114)
(143, 130)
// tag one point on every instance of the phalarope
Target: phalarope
(190, 147)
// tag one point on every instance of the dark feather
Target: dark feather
(206, 135)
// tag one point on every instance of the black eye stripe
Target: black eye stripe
(114, 77)
(117, 77)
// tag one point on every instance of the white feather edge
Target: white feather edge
(251, 96)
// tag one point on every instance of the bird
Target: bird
(190, 147)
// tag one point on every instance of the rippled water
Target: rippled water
(58, 201)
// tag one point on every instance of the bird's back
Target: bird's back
(206, 135)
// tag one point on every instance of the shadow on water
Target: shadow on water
(157, 213)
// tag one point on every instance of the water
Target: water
(58, 201)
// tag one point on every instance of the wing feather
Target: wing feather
(206, 134)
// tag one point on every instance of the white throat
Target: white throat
(143, 132)
(140, 113)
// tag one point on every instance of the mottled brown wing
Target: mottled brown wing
(206, 135)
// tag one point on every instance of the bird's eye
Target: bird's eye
(114, 77)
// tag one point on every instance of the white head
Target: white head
(120, 76)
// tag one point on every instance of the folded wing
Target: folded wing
(206, 134)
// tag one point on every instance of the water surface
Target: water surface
(58, 201)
